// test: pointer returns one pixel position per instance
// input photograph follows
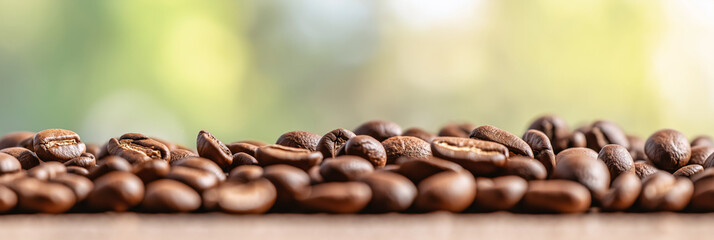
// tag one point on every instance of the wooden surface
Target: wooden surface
(217, 226)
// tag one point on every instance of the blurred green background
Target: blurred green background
(256, 69)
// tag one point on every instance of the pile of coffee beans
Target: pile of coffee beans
(376, 168)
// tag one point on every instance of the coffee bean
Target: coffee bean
(253, 197)
(623, 192)
(7, 179)
(448, 191)
(542, 148)
(421, 134)
(637, 148)
(393, 168)
(109, 164)
(663, 192)
(151, 170)
(28, 159)
(169, 145)
(246, 173)
(47, 170)
(702, 175)
(254, 142)
(34, 195)
(555, 128)
(292, 185)
(29, 144)
(514, 144)
(644, 169)
(9, 164)
(179, 154)
(167, 195)
(700, 154)
(709, 162)
(617, 159)
(299, 139)
(78, 171)
(338, 197)
(86, 160)
(315, 177)
(345, 168)
(368, 148)
(482, 158)
(57, 145)
(525, 167)
(198, 179)
(92, 148)
(403, 146)
(703, 196)
(241, 158)
(240, 147)
(577, 140)
(581, 165)
(462, 130)
(702, 140)
(116, 191)
(499, 194)
(13, 139)
(603, 133)
(103, 152)
(202, 164)
(8, 199)
(137, 148)
(556, 196)
(688, 171)
(296, 157)
(391, 192)
(81, 186)
(211, 148)
(332, 143)
(417, 170)
(380, 130)
(668, 149)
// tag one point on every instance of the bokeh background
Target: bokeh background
(256, 69)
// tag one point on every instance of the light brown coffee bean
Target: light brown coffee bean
(137, 148)
(9, 164)
(688, 171)
(8, 199)
(57, 145)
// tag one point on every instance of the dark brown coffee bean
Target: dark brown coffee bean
(668, 149)
(577, 140)
(78, 171)
(13, 139)
(109, 164)
(103, 152)
(345, 168)
(29, 143)
(57, 145)
(47, 170)
(688, 171)
(315, 177)
(393, 168)
(417, 170)
(332, 143)
(556, 196)
(703, 197)
(499, 194)
(514, 144)
(380, 130)
(457, 130)
(338, 197)
(700, 154)
(246, 173)
(86, 160)
(403, 146)
(702, 175)
(241, 147)
(623, 192)
(581, 165)
(167, 195)
(34, 195)
(8, 199)
(202, 164)
(92, 148)
(179, 154)
(296, 157)
(617, 159)
(253, 197)
(709, 162)
(448, 191)
(368, 148)
(116, 191)
(9, 164)
(169, 145)
(555, 128)
(542, 148)
(7, 179)
(525, 167)
(603, 133)
(211, 148)
(482, 158)
(637, 148)
(702, 140)
(391, 192)
(663, 192)
(198, 179)
(137, 148)
(81, 186)
(644, 169)
(292, 185)
(241, 158)
(299, 139)
(421, 134)
(28, 159)
(151, 170)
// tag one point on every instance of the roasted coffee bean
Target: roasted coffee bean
(702, 140)
(179, 154)
(211, 148)
(688, 171)
(167, 195)
(391, 192)
(709, 162)
(86, 160)
(623, 192)
(151, 170)
(81, 186)
(555, 128)
(556, 196)
(242, 158)
(448, 191)
(254, 142)
(103, 152)
(299, 139)
(198, 179)
(499, 194)
(57, 145)
(137, 148)
(403, 146)
(29, 143)
(581, 165)
(109, 164)
(246, 173)
(703, 197)
(7, 179)
(345, 168)
(202, 164)
(542, 148)
(92, 148)
(8, 199)
(296, 157)
(482, 158)
(34, 195)
(338, 197)
(637, 147)
(644, 169)
(603, 133)
(525, 167)
(332, 143)
(9, 164)
(421, 134)
(13, 139)
(393, 168)
(577, 140)
(617, 159)
(253, 197)
(668, 149)
(292, 185)
(462, 130)
(368, 148)
(28, 159)
(380, 130)
(663, 192)
(700, 154)
(78, 171)
(241, 147)
(116, 191)
(47, 170)
(419, 169)
(169, 145)
(514, 144)
(702, 175)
